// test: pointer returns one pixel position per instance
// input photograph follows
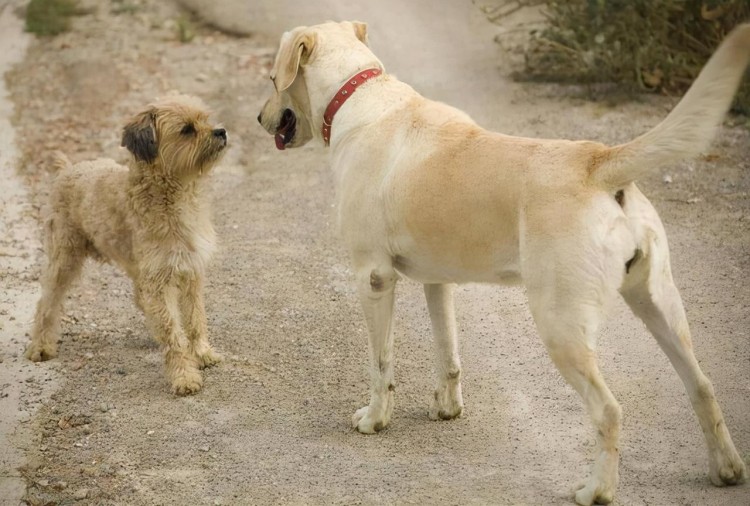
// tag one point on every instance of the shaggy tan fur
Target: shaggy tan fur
(149, 219)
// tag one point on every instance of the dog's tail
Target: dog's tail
(59, 161)
(691, 125)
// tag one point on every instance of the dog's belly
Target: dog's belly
(499, 266)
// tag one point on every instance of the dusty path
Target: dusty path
(272, 424)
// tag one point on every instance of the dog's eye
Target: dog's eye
(188, 129)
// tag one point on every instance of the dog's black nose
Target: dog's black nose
(259, 120)
(220, 132)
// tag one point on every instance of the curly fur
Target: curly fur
(149, 219)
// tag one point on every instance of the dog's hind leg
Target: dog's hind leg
(571, 280)
(160, 299)
(65, 257)
(568, 330)
(651, 294)
(376, 284)
(447, 403)
(194, 320)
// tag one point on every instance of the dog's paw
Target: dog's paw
(600, 487)
(594, 491)
(40, 353)
(187, 382)
(365, 423)
(376, 416)
(208, 358)
(447, 403)
(728, 469)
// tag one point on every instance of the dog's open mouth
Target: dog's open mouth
(287, 129)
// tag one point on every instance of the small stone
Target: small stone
(201, 78)
(60, 485)
(667, 179)
(23, 416)
(43, 483)
(150, 432)
(103, 407)
(204, 448)
(89, 355)
(80, 494)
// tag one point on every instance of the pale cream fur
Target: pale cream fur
(151, 220)
(425, 192)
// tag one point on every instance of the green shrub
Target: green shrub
(658, 45)
(50, 17)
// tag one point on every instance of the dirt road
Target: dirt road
(272, 423)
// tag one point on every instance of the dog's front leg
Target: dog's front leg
(160, 298)
(447, 403)
(194, 318)
(376, 287)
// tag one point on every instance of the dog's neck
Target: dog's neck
(171, 192)
(375, 98)
(331, 81)
(342, 95)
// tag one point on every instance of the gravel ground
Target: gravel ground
(98, 426)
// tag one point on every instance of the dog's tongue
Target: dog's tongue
(279, 138)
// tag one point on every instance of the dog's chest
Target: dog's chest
(184, 247)
(193, 250)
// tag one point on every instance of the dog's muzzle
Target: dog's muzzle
(286, 130)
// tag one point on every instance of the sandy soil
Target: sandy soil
(272, 423)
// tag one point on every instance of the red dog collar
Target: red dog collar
(342, 96)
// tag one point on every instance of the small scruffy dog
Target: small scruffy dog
(148, 218)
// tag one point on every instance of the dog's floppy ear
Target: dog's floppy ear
(139, 136)
(293, 51)
(360, 30)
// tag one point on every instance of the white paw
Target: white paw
(599, 488)
(727, 469)
(592, 491)
(447, 403)
(375, 417)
